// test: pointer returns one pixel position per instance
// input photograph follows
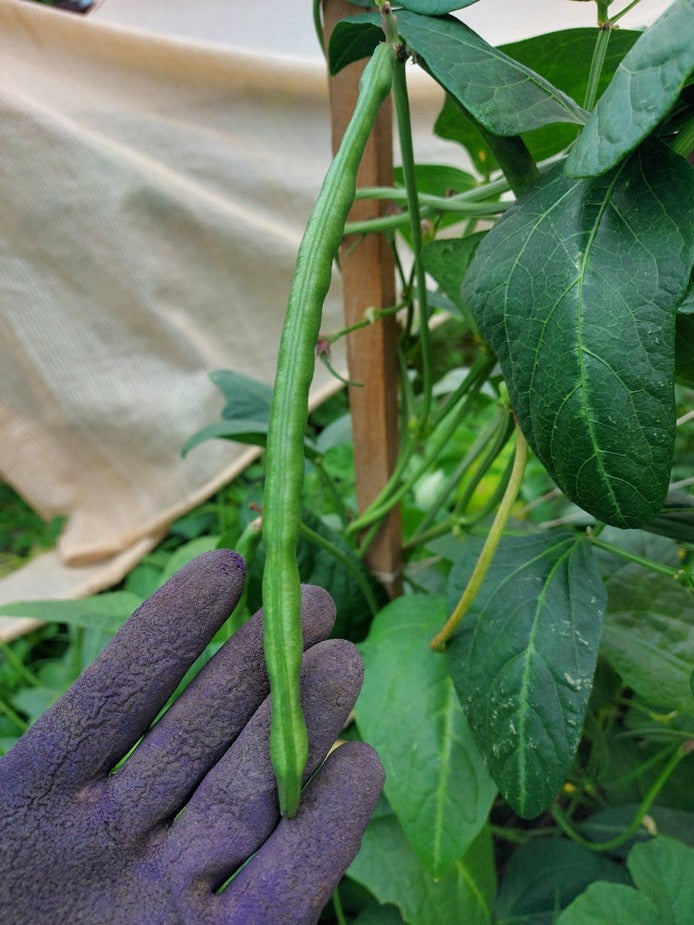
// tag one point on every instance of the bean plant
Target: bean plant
(531, 691)
(524, 645)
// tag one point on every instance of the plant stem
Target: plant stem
(613, 843)
(503, 432)
(629, 6)
(435, 203)
(468, 459)
(332, 489)
(19, 665)
(371, 316)
(677, 574)
(318, 24)
(388, 497)
(513, 157)
(596, 65)
(337, 906)
(20, 723)
(499, 492)
(476, 194)
(402, 110)
(490, 545)
(393, 222)
(478, 373)
(323, 543)
(77, 652)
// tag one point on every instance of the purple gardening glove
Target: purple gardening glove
(153, 842)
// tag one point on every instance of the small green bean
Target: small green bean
(287, 428)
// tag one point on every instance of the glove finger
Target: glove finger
(116, 698)
(291, 878)
(235, 808)
(198, 728)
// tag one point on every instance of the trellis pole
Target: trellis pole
(368, 279)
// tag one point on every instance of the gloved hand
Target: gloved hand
(153, 842)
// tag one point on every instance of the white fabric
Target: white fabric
(157, 164)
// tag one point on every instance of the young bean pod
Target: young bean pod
(287, 427)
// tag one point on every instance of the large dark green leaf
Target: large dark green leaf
(505, 96)
(576, 288)
(563, 58)
(435, 779)
(649, 625)
(545, 875)
(435, 7)
(645, 86)
(388, 868)
(429, 7)
(524, 667)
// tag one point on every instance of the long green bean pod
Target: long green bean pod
(287, 428)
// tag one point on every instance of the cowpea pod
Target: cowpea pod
(287, 427)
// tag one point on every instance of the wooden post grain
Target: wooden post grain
(368, 279)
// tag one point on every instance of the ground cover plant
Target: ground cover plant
(531, 692)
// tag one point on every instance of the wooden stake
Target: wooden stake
(368, 279)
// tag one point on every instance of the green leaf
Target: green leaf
(109, 610)
(430, 7)
(663, 872)
(610, 904)
(505, 96)
(523, 667)
(437, 179)
(435, 779)
(240, 431)
(649, 626)
(545, 875)
(576, 288)
(34, 701)
(352, 39)
(247, 399)
(645, 86)
(388, 868)
(447, 260)
(253, 432)
(563, 58)
(379, 915)
(186, 553)
(245, 414)
(435, 7)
